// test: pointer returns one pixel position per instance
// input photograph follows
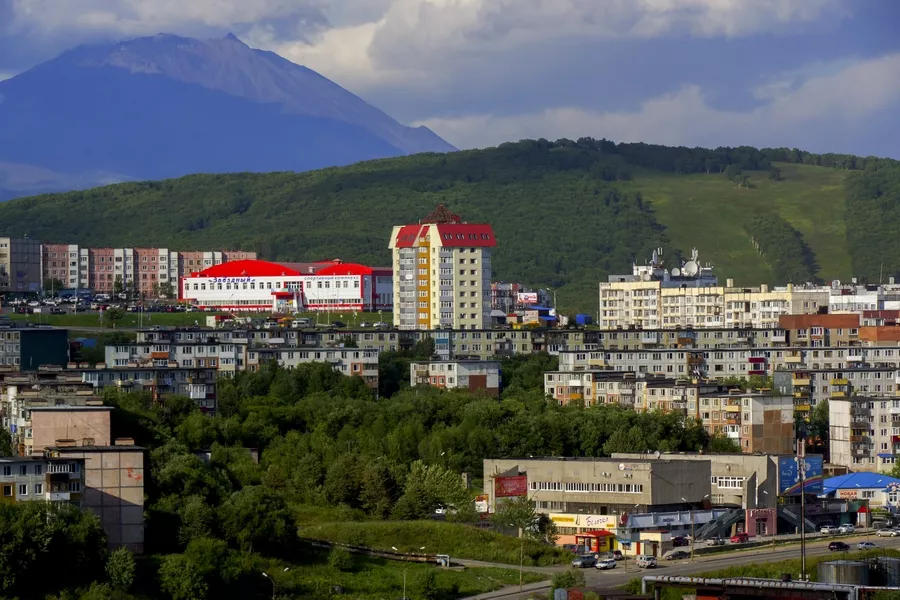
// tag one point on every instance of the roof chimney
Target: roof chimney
(65, 443)
(124, 442)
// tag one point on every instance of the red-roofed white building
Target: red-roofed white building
(442, 273)
(262, 286)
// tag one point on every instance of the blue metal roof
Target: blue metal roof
(857, 481)
(537, 307)
(885, 455)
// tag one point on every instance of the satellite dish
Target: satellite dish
(656, 454)
(621, 466)
(676, 272)
(691, 268)
(646, 276)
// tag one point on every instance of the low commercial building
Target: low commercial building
(258, 285)
(44, 478)
(879, 490)
(472, 375)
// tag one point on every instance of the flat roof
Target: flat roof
(29, 458)
(67, 449)
(67, 407)
(584, 459)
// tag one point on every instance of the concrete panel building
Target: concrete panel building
(20, 265)
(41, 478)
(90, 425)
(472, 375)
(113, 487)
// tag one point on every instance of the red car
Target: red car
(740, 538)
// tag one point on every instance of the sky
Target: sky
(821, 75)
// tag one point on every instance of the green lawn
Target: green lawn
(706, 211)
(378, 579)
(459, 541)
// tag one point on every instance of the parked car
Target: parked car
(846, 528)
(584, 561)
(716, 541)
(680, 540)
(887, 533)
(676, 555)
(606, 563)
(615, 555)
(838, 547)
(646, 562)
(57, 311)
(338, 325)
(740, 538)
(865, 546)
(828, 529)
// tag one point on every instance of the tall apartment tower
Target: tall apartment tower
(442, 273)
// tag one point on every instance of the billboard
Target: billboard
(789, 476)
(527, 298)
(511, 487)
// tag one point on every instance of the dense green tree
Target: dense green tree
(254, 517)
(120, 568)
(180, 577)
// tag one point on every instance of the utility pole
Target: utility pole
(522, 561)
(801, 470)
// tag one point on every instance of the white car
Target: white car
(828, 529)
(847, 528)
(887, 533)
(865, 546)
(606, 563)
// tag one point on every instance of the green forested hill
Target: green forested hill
(566, 213)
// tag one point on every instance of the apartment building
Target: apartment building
(23, 393)
(471, 375)
(442, 273)
(195, 382)
(347, 361)
(20, 265)
(864, 431)
(113, 486)
(758, 421)
(29, 347)
(151, 272)
(42, 478)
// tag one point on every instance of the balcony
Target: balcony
(840, 382)
(734, 435)
(801, 394)
(779, 338)
(57, 496)
(649, 339)
(793, 359)
(838, 394)
(855, 358)
(802, 407)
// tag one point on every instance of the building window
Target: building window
(38, 489)
(23, 489)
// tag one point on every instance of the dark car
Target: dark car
(676, 555)
(680, 541)
(57, 311)
(838, 547)
(338, 325)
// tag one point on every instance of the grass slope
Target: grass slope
(707, 211)
(459, 541)
(565, 214)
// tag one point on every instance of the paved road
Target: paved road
(701, 564)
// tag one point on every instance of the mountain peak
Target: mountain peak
(243, 98)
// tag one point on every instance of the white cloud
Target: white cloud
(363, 41)
(144, 17)
(4, 75)
(837, 102)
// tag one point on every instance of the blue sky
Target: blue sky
(822, 75)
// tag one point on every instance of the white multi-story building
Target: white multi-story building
(653, 297)
(442, 273)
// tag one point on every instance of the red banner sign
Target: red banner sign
(510, 487)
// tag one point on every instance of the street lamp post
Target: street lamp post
(692, 524)
(272, 580)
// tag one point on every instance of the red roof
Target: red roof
(597, 533)
(345, 269)
(406, 237)
(247, 268)
(464, 234)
